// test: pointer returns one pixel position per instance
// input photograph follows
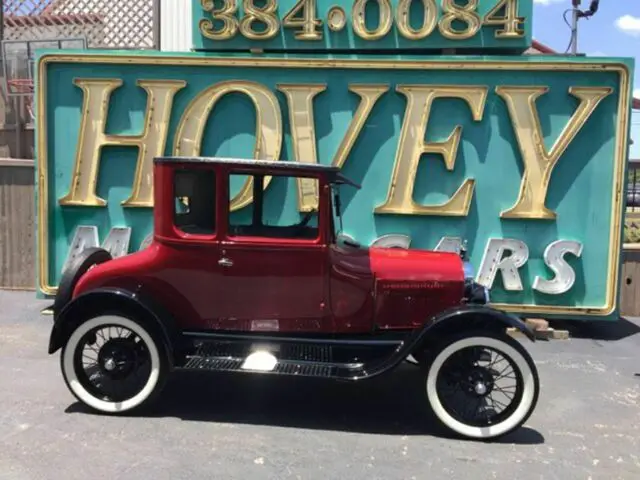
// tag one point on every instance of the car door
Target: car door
(271, 286)
(188, 272)
(273, 265)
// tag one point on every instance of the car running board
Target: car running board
(294, 357)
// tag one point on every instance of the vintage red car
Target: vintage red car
(227, 291)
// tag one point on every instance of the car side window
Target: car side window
(195, 201)
(273, 213)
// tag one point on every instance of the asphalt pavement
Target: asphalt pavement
(244, 427)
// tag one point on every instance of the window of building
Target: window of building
(195, 201)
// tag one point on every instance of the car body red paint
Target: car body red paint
(299, 285)
(297, 300)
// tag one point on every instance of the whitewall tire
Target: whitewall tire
(525, 393)
(149, 385)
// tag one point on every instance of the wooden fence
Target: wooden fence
(630, 283)
(17, 209)
(17, 224)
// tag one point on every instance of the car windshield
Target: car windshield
(336, 211)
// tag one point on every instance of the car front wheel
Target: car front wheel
(113, 364)
(481, 385)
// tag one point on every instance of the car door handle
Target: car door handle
(225, 262)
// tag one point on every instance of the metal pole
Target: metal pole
(157, 27)
(1, 20)
(574, 28)
(574, 32)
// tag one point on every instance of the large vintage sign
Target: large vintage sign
(522, 157)
(316, 25)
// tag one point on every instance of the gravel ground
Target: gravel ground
(220, 426)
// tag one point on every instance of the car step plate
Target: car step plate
(297, 360)
(255, 365)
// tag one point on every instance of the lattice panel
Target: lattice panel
(128, 24)
(25, 7)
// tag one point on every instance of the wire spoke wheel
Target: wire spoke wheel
(481, 385)
(112, 364)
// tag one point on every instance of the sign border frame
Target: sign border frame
(490, 63)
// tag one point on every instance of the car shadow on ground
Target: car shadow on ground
(392, 404)
(598, 330)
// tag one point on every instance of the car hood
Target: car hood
(395, 264)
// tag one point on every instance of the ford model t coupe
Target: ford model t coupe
(229, 291)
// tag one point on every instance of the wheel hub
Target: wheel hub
(109, 364)
(480, 388)
(480, 382)
(117, 357)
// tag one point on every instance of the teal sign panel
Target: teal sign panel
(373, 25)
(522, 157)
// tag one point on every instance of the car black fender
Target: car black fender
(86, 259)
(105, 300)
(471, 317)
(468, 317)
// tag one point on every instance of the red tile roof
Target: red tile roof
(544, 49)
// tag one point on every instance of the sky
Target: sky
(614, 31)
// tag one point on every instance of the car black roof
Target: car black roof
(332, 172)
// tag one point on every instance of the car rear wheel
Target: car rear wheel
(113, 364)
(481, 385)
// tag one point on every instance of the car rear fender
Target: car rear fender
(86, 259)
(114, 300)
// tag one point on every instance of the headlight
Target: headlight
(487, 296)
(476, 293)
(469, 274)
